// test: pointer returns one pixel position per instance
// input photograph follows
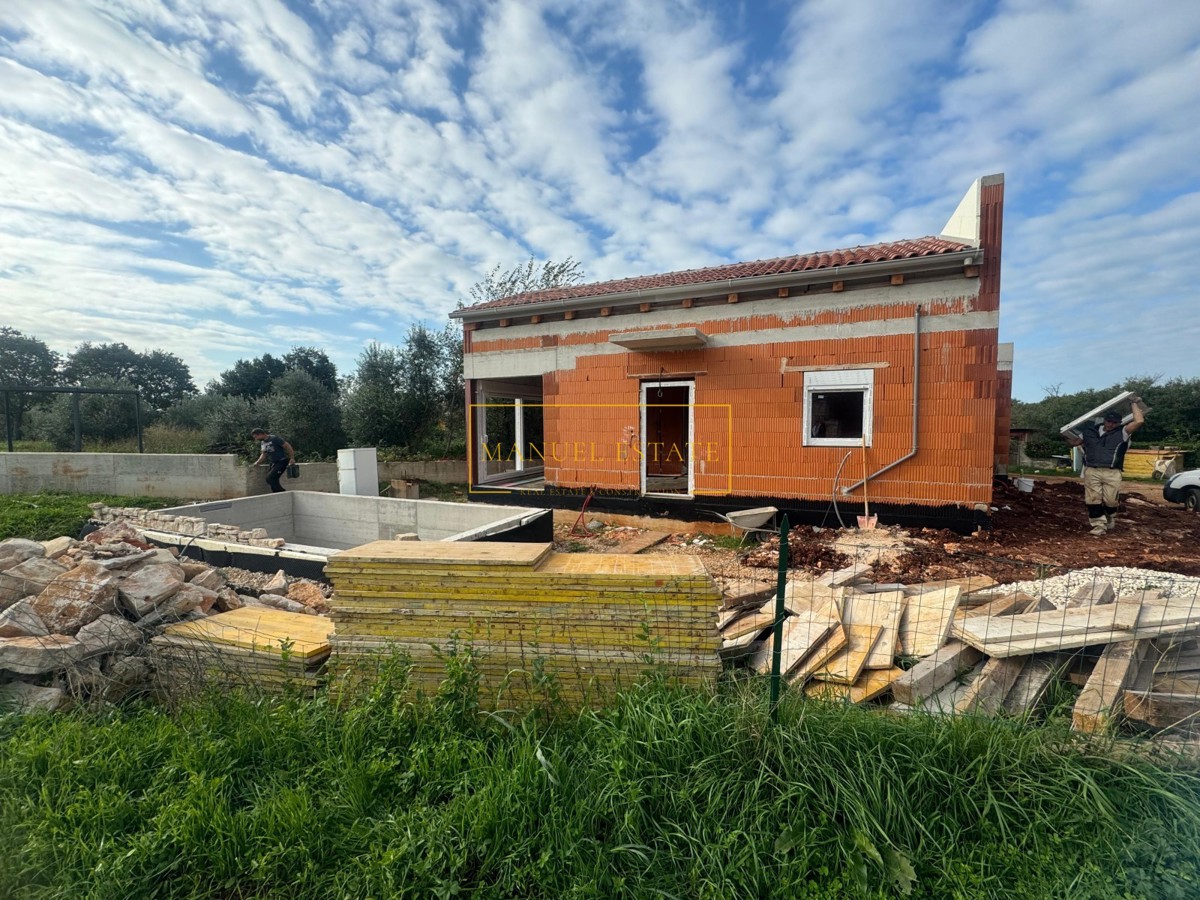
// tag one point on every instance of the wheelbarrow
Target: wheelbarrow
(751, 521)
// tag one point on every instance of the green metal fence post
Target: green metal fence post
(777, 639)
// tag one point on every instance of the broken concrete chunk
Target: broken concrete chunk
(77, 597)
(17, 550)
(20, 620)
(29, 577)
(147, 588)
(285, 604)
(277, 585)
(191, 568)
(109, 634)
(57, 547)
(309, 594)
(118, 532)
(227, 599)
(36, 655)
(209, 579)
(187, 599)
(127, 675)
(21, 697)
(204, 598)
(127, 560)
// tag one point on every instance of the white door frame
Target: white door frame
(648, 386)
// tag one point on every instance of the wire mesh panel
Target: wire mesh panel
(1111, 644)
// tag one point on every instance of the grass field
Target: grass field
(665, 794)
(40, 517)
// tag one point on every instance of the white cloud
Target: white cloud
(220, 178)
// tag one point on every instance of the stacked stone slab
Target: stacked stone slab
(189, 526)
(578, 625)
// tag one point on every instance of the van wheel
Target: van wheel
(1192, 500)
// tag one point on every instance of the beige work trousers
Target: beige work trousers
(1101, 487)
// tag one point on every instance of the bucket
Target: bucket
(1025, 484)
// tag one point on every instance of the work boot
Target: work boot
(1099, 526)
(1110, 522)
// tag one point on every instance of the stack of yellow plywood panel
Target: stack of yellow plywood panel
(248, 646)
(580, 625)
(1140, 463)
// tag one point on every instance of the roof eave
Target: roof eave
(939, 262)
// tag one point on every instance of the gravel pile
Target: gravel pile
(1060, 588)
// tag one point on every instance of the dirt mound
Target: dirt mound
(806, 550)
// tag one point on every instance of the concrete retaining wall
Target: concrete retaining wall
(190, 476)
(200, 477)
(337, 521)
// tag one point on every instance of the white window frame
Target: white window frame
(840, 380)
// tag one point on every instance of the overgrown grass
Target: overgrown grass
(668, 793)
(41, 517)
(731, 541)
(159, 438)
(439, 490)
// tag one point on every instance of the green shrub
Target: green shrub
(228, 424)
(103, 418)
(1046, 448)
(305, 413)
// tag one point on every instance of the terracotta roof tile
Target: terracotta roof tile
(826, 259)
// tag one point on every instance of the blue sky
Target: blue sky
(226, 178)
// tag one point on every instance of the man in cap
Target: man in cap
(1103, 459)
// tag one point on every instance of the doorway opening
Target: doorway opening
(667, 438)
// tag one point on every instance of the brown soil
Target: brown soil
(1033, 535)
(1050, 526)
(806, 550)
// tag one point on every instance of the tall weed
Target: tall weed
(373, 791)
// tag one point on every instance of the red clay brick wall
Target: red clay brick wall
(766, 457)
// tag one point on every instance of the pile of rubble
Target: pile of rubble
(76, 616)
(186, 525)
(971, 646)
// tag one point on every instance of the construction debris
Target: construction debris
(966, 649)
(242, 646)
(76, 616)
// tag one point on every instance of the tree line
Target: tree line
(1174, 417)
(408, 398)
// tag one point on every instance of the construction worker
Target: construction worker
(1104, 449)
(277, 453)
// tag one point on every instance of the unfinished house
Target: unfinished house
(866, 374)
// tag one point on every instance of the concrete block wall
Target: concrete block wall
(183, 475)
(195, 476)
(274, 512)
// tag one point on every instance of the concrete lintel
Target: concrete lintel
(660, 339)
